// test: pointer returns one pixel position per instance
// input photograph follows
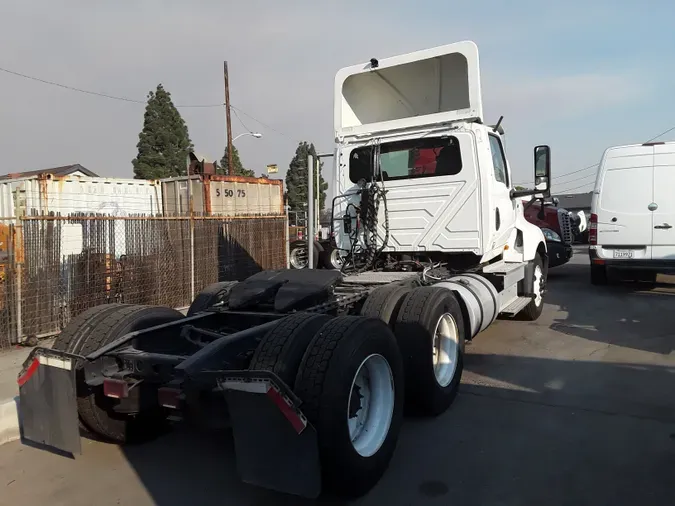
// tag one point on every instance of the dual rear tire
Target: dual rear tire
(354, 375)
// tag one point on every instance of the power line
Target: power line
(565, 175)
(144, 102)
(578, 179)
(576, 188)
(95, 93)
(240, 121)
(661, 134)
(574, 172)
(261, 123)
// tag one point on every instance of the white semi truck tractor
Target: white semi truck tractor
(312, 368)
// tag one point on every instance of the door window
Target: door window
(498, 160)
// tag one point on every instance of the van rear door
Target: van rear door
(663, 217)
(625, 193)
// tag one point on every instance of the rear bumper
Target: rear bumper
(660, 266)
(558, 253)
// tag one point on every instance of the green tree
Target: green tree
(164, 142)
(239, 169)
(296, 179)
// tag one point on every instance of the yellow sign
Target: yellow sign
(272, 169)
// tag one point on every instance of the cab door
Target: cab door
(503, 210)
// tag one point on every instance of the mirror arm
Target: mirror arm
(524, 193)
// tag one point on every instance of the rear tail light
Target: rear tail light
(117, 389)
(593, 230)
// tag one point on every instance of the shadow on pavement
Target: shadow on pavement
(522, 431)
(632, 315)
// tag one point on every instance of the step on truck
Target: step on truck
(312, 370)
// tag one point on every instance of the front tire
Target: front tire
(351, 384)
(430, 334)
(533, 310)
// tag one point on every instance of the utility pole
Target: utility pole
(228, 119)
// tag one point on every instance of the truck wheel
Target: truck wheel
(598, 275)
(330, 258)
(298, 258)
(351, 384)
(95, 410)
(210, 296)
(533, 310)
(70, 338)
(282, 348)
(384, 303)
(430, 334)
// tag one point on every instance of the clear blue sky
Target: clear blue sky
(579, 75)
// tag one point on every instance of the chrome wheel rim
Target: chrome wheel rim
(445, 349)
(335, 259)
(536, 285)
(298, 258)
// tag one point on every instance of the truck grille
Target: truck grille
(565, 226)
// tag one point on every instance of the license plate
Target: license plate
(623, 253)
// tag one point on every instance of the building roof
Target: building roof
(575, 200)
(57, 171)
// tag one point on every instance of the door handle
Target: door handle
(665, 226)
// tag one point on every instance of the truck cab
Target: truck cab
(413, 124)
(556, 224)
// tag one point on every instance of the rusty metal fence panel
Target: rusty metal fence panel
(76, 262)
(7, 262)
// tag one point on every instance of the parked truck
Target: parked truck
(312, 368)
(557, 225)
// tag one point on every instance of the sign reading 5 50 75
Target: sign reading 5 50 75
(229, 193)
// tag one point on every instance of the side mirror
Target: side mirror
(542, 176)
(542, 169)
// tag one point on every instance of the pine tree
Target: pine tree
(239, 169)
(164, 142)
(296, 179)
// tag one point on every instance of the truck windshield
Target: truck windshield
(408, 159)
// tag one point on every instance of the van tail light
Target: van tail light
(593, 230)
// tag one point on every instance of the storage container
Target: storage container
(223, 196)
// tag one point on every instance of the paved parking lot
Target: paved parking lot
(577, 408)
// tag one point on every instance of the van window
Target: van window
(498, 159)
(408, 159)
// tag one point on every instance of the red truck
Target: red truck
(556, 224)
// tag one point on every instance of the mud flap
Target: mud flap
(275, 446)
(47, 400)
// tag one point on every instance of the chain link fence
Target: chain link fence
(69, 264)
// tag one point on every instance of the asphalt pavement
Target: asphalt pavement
(577, 408)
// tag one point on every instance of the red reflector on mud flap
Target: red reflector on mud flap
(29, 372)
(117, 389)
(287, 410)
(297, 421)
(169, 397)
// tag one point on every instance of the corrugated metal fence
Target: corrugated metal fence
(59, 266)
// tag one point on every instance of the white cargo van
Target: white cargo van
(632, 225)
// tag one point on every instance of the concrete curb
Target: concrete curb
(9, 420)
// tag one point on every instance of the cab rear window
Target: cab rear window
(408, 159)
